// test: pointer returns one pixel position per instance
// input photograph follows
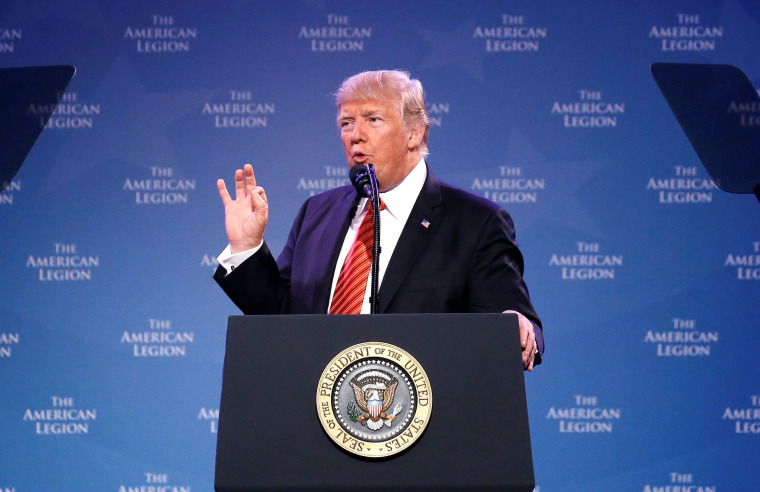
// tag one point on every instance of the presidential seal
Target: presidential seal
(374, 399)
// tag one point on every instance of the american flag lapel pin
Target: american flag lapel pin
(425, 223)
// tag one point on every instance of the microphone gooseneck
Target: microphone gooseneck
(364, 180)
(374, 300)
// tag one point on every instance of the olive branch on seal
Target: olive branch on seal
(353, 413)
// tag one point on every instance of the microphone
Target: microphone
(360, 178)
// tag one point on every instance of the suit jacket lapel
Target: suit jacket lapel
(329, 243)
(413, 241)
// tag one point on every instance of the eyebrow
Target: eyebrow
(373, 112)
(364, 113)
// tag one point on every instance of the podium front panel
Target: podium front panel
(270, 436)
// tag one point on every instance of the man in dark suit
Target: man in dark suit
(443, 249)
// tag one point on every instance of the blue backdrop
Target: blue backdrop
(646, 276)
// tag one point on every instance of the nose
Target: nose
(358, 134)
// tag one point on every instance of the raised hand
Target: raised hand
(245, 217)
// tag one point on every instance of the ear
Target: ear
(415, 137)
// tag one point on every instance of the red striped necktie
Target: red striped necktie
(352, 281)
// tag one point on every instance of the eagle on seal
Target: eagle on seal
(375, 401)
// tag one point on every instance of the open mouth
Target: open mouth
(359, 157)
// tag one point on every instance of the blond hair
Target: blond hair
(382, 85)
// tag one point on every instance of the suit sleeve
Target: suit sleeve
(496, 281)
(261, 285)
(256, 286)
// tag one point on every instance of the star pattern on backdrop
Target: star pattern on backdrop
(454, 48)
(565, 181)
(142, 140)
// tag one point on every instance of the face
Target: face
(372, 132)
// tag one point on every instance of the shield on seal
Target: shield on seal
(374, 407)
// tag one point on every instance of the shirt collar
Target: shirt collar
(400, 200)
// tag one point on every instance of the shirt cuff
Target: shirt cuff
(230, 261)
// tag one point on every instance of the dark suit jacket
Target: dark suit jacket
(466, 260)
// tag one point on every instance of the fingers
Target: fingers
(532, 358)
(257, 193)
(527, 336)
(527, 342)
(259, 199)
(239, 184)
(529, 351)
(250, 179)
(262, 194)
(246, 216)
(245, 183)
(223, 193)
